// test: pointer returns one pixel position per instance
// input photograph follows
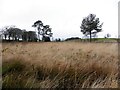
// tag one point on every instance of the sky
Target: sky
(63, 16)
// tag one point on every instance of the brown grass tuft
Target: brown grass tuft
(60, 65)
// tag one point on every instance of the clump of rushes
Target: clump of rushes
(12, 71)
(13, 65)
(17, 74)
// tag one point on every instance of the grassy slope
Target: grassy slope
(97, 40)
(62, 64)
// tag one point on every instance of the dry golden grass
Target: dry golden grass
(61, 64)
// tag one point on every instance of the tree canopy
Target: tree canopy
(13, 33)
(91, 25)
(43, 30)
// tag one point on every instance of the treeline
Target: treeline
(72, 38)
(90, 26)
(11, 33)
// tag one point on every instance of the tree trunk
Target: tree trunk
(43, 38)
(5, 37)
(9, 37)
(90, 36)
(15, 38)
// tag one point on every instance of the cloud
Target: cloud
(64, 16)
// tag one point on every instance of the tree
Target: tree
(107, 35)
(91, 25)
(43, 30)
(19, 33)
(4, 32)
(46, 33)
(39, 25)
(25, 35)
(32, 36)
(11, 31)
(15, 33)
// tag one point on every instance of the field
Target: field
(60, 65)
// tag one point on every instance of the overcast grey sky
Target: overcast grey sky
(63, 16)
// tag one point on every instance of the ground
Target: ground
(60, 64)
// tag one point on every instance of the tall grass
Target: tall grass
(60, 65)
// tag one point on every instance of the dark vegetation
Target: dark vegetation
(107, 40)
(10, 33)
(72, 38)
(90, 26)
(43, 30)
(20, 74)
